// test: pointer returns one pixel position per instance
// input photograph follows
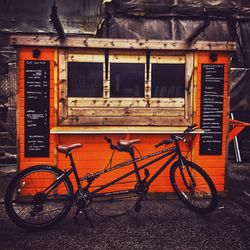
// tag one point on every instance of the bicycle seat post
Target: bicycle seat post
(132, 154)
(72, 163)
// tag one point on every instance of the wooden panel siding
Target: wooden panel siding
(128, 102)
(124, 120)
(76, 112)
(181, 108)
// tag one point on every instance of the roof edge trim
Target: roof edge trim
(83, 42)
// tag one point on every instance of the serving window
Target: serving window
(127, 80)
(85, 79)
(125, 87)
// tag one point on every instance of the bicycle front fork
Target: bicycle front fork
(188, 176)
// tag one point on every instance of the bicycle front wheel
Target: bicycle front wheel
(28, 202)
(193, 186)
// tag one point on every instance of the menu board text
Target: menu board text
(212, 81)
(37, 108)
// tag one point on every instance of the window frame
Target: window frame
(145, 111)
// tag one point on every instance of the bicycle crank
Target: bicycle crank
(82, 201)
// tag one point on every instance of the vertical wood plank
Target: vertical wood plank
(189, 81)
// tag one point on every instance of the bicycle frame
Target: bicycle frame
(174, 152)
(95, 192)
(38, 207)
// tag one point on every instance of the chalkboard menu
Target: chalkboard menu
(37, 108)
(212, 88)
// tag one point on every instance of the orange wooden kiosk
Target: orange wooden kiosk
(82, 89)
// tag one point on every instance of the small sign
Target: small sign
(37, 83)
(212, 89)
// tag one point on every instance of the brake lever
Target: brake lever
(190, 129)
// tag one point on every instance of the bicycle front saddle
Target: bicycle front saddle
(66, 149)
(128, 143)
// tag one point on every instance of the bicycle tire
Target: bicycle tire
(28, 207)
(199, 194)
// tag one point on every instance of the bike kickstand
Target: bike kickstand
(88, 219)
(76, 214)
(138, 207)
(80, 210)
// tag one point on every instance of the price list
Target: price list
(212, 89)
(37, 108)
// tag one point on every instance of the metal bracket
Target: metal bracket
(56, 22)
(190, 39)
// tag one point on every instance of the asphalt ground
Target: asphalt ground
(161, 224)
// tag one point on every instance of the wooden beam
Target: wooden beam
(82, 42)
(134, 112)
(129, 121)
(74, 102)
(189, 84)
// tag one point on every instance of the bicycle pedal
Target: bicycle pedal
(78, 210)
(88, 219)
(138, 208)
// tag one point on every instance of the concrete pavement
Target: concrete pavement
(161, 224)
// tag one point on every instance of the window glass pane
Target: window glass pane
(168, 80)
(127, 79)
(85, 79)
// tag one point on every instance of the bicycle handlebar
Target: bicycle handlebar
(119, 148)
(186, 131)
(190, 129)
(166, 142)
(109, 141)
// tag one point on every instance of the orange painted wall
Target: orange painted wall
(215, 164)
(26, 54)
(95, 153)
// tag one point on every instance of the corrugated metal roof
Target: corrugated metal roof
(84, 16)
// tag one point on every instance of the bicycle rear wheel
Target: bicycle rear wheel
(28, 204)
(194, 187)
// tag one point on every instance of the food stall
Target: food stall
(81, 89)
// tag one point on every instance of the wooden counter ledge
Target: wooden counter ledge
(119, 130)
